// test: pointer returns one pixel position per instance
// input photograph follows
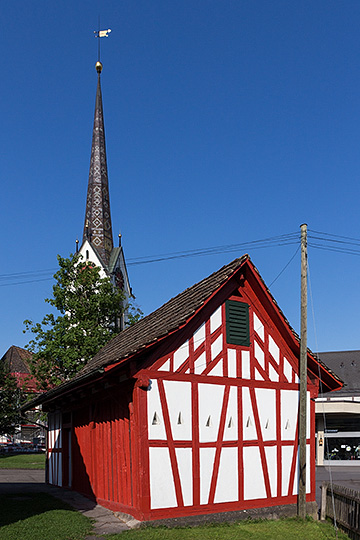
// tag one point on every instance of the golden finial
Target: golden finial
(98, 66)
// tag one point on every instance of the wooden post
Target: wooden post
(301, 502)
(324, 486)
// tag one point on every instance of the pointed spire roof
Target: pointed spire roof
(97, 226)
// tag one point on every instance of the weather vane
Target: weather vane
(100, 34)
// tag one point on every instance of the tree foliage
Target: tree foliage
(10, 399)
(89, 308)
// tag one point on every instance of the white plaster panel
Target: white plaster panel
(210, 405)
(178, 397)
(258, 327)
(184, 461)
(200, 364)
(199, 336)
(162, 489)
(274, 349)
(217, 370)
(157, 430)
(286, 460)
(259, 354)
(249, 429)
(308, 425)
(216, 347)
(165, 366)
(308, 468)
(215, 320)
(258, 375)
(288, 370)
(231, 422)
(266, 403)
(271, 460)
(245, 364)
(273, 374)
(254, 485)
(296, 475)
(289, 410)
(207, 456)
(227, 481)
(232, 371)
(181, 355)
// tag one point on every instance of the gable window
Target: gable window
(237, 323)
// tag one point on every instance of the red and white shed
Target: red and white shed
(191, 411)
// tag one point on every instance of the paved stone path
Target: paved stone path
(27, 481)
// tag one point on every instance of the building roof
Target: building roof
(174, 315)
(15, 361)
(97, 225)
(346, 364)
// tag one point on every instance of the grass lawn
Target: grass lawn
(247, 530)
(38, 516)
(22, 461)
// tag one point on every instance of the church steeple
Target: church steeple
(97, 246)
(97, 226)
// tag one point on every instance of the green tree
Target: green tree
(11, 397)
(90, 309)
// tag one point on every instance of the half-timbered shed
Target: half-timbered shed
(191, 411)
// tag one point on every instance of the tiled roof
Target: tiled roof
(346, 364)
(16, 360)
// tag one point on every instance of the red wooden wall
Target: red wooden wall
(101, 450)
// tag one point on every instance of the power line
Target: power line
(316, 239)
(273, 241)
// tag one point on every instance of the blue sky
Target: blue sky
(226, 122)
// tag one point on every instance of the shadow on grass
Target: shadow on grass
(22, 505)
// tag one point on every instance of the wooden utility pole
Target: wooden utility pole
(301, 502)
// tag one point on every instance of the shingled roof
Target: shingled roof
(162, 322)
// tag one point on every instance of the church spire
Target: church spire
(97, 226)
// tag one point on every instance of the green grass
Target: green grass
(39, 516)
(22, 461)
(283, 529)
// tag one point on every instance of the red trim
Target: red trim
(240, 445)
(143, 475)
(206, 509)
(278, 441)
(195, 443)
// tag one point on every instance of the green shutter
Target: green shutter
(237, 323)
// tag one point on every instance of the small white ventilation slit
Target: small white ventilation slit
(180, 419)
(249, 422)
(208, 422)
(267, 425)
(231, 422)
(287, 425)
(155, 420)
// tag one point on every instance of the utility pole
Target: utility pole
(301, 502)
